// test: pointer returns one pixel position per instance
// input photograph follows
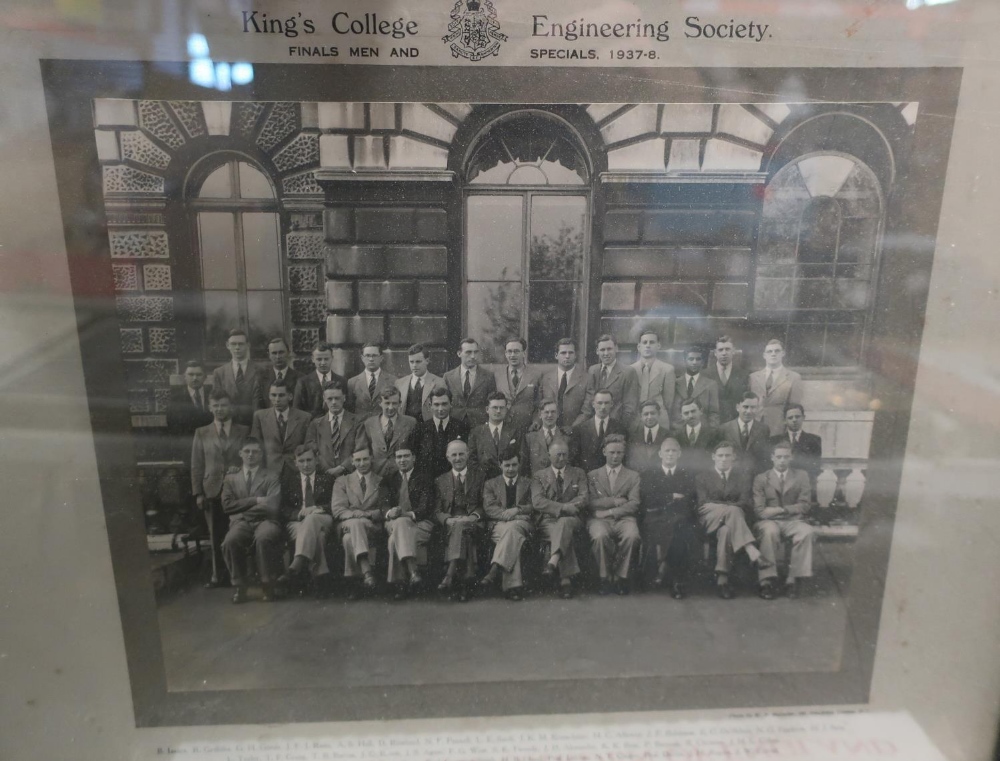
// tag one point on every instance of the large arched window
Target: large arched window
(238, 233)
(526, 235)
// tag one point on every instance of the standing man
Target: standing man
(724, 497)
(518, 382)
(732, 379)
(470, 386)
(251, 498)
(415, 389)
(614, 507)
(657, 379)
(280, 429)
(491, 439)
(309, 388)
(777, 386)
(781, 500)
(588, 436)
(536, 443)
(364, 389)
(507, 504)
(431, 437)
(559, 497)
(409, 502)
(459, 509)
(238, 378)
(807, 448)
(357, 504)
(696, 438)
(566, 383)
(214, 450)
(749, 437)
(668, 499)
(187, 412)
(611, 375)
(335, 435)
(305, 503)
(645, 438)
(694, 384)
(387, 432)
(279, 369)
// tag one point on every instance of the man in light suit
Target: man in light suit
(491, 439)
(357, 505)
(238, 378)
(536, 443)
(387, 432)
(668, 495)
(278, 369)
(750, 438)
(694, 384)
(781, 500)
(305, 507)
(657, 379)
(507, 504)
(519, 382)
(588, 436)
(645, 438)
(280, 429)
(251, 498)
(309, 388)
(611, 375)
(409, 513)
(431, 437)
(459, 510)
(566, 383)
(364, 389)
(733, 380)
(807, 448)
(215, 449)
(470, 385)
(613, 509)
(335, 436)
(559, 499)
(415, 389)
(776, 385)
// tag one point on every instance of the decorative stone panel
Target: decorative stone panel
(149, 372)
(161, 399)
(280, 124)
(138, 244)
(190, 116)
(145, 308)
(304, 339)
(126, 277)
(153, 118)
(301, 185)
(302, 151)
(310, 309)
(139, 148)
(162, 340)
(125, 179)
(305, 245)
(303, 278)
(344, 329)
(156, 277)
(139, 402)
(131, 340)
(245, 116)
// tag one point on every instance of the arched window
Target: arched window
(526, 233)
(238, 234)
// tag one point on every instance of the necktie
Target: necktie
(364, 485)
(604, 377)
(562, 393)
(670, 472)
(223, 437)
(690, 386)
(795, 439)
(335, 428)
(548, 438)
(692, 436)
(724, 375)
(308, 500)
(600, 432)
(781, 481)
(725, 481)
(404, 493)
(511, 494)
(371, 386)
(279, 374)
(388, 431)
(559, 484)
(612, 479)
(325, 379)
(197, 400)
(649, 435)
(645, 382)
(496, 439)
(467, 388)
(248, 480)
(415, 400)
(515, 379)
(281, 427)
(239, 375)
(769, 382)
(744, 435)
(781, 489)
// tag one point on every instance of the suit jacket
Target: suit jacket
(662, 387)
(523, 403)
(706, 391)
(449, 504)
(576, 392)
(210, 459)
(623, 384)
(292, 497)
(348, 497)
(431, 447)
(483, 454)
(602, 496)
(183, 419)
(278, 452)
(245, 397)
(786, 388)
(737, 491)
(641, 456)
(658, 490)
(731, 392)
(495, 499)
(420, 492)
(697, 456)
(384, 452)
(756, 455)
(335, 452)
(238, 500)
(535, 452)
(472, 409)
(308, 395)
(359, 401)
(588, 446)
(429, 382)
(795, 499)
(266, 377)
(548, 502)
(807, 452)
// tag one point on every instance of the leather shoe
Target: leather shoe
(725, 591)
(400, 594)
(766, 591)
(566, 591)
(463, 594)
(240, 595)
(216, 584)
(607, 587)
(354, 593)
(678, 592)
(622, 588)
(416, 580)
(514, 595)
(792, 591)
(549, 570)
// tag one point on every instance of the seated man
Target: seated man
(559, 497)
(357, 504)
(459, 507)
(614, 505)
(723, 495)
(781, 499)
(408, 498)
(667, 502)
(645, 438)
(305, 501)
(507, 503)
(251, 498)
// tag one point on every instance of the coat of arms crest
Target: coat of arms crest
(474, 31)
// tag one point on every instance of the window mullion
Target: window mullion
(241, 272)
(526, 264)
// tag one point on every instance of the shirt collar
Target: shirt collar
(460, 473)
(613, 471)
(438, 422)
(666, 470)
(598, 421)
(495, 427)
(726, 474)
(556, 470)
(695, 428)
(510, 481)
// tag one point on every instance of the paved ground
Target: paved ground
(210, 644)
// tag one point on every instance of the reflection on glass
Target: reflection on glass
(253, 183)
(495, 311)
(216, 232)
(819, 230)
(260, 250)
(555, 312)
(222, 314)
(557, 237)
(218, 184)
(495, 236)
(266, 319)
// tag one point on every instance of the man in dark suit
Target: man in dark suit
(409, 520)
(388, 431)
(611, 375)
(507, 504)
(415, 389)
(668, 498)
(536, 443)
(645, 438)
(724, 500)
(431, 437)
(489, 440)
(365, 389)
(309, 388)
(280, 429)
(251, 498)
(694, 384)
(470, 385)
(696, 438)
(566, 383)
(733, 380)
(807, 448)
(186, 413)
(358, 507)
(305, 507)
(612, 513)
(559, 498)
(215, 449)
(279, 369)
(459, 510)
(238, 378)
(588, 436)
(750, 437)
(519, 382)
(337, 435)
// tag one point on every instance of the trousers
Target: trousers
(265, 537)
(309, 536)
(614, 543)
(509, 538)
(729, 525)
(407, 539)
